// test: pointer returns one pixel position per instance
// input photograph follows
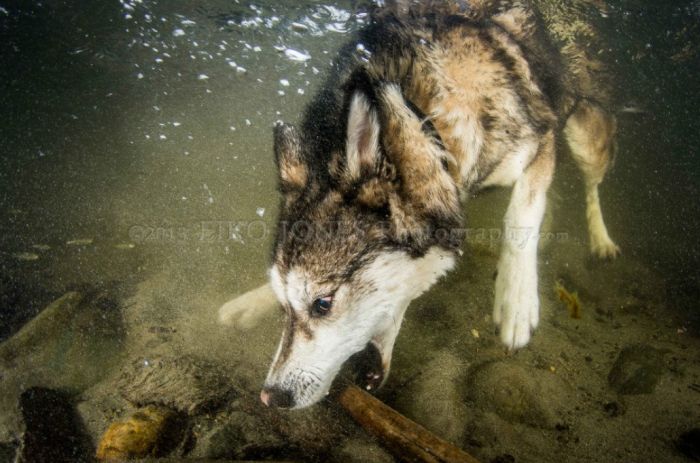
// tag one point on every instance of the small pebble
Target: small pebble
(612, 409)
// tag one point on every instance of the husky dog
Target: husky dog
(432, 101)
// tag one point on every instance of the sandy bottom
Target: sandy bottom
(555, 400)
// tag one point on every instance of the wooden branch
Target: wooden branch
(42, 327)
(406, 439)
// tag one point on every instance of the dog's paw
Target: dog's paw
(601, 244)
(245, 311)
(238, 315)
(516, 306)
(605, 249)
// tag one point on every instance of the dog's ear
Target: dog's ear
(293, 172)
(362, 140)
(420, 161)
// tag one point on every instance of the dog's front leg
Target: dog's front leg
(516, 306)
(246, 310)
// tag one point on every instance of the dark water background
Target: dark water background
(143, 128)
(145, 124)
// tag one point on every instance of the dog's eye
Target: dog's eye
(322, 306)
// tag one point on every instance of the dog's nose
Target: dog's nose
(277, 397)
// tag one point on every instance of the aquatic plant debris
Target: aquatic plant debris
(79, 242)
(571, 300)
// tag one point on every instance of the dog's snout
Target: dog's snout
(277, 397)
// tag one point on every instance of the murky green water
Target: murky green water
(136, 158)
(150, 124)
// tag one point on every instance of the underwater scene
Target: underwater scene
(144, 168)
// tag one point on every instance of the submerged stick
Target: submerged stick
(406, 439)
(44, 326)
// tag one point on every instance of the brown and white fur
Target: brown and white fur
(432, 100)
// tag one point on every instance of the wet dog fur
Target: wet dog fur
(431, 100)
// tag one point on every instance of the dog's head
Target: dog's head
(362, 232)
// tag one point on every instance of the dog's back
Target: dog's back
(561, 40)
(484, 75)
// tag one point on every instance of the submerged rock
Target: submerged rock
(53, 432)
(504, 458)
(435, 401)
(184, 383)
(637, 370)
(689, 444)
(240, 436)
(70, 345)
(8, 452)
(518, 394)
(99, 406)
(150, 431)
(360, 450)
(248, 430)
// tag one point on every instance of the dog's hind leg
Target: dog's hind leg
(590, 133)
(516, 305)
